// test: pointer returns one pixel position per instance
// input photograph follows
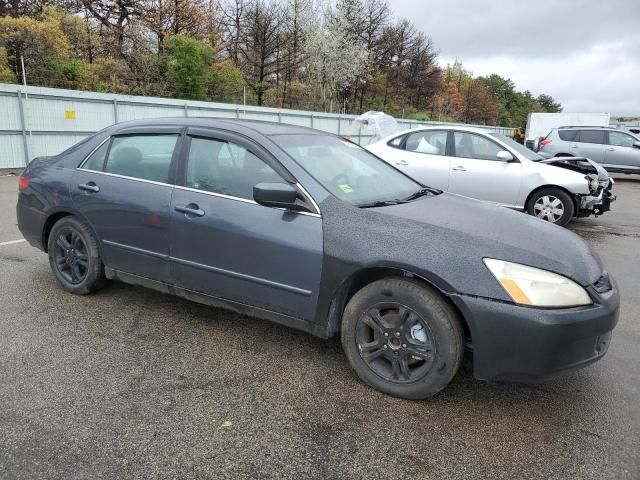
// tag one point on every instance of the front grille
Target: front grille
(603, 284)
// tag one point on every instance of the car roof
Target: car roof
(582, 127)
(259, 126)
(461, 128)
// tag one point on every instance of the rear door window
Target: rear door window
(568, 135)
(433, 142)
(592, 136)
(147, 157)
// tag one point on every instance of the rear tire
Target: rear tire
(402, 338)
(553, 205)
(74, 257)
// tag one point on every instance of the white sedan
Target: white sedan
(489, 166)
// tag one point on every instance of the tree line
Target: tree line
(349, 56)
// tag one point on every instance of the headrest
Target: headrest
(126, 154)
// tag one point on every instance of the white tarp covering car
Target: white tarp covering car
(378, 124)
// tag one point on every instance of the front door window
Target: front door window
(470, 145)
(226, 168)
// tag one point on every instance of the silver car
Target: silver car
(616, 150)
(488, 166)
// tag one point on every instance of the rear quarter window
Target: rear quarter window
(96, 160)
(396, 142)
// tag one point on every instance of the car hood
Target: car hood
(578, 164)
(444, 238)
(489, 230)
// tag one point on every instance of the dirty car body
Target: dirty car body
(300, 265)
(488, 166)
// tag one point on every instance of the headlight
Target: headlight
(533, 286)
(593, 182)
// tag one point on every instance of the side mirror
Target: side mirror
(636, 144)
(278, 195)
(504, 156)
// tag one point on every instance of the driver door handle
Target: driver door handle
(402, 163)
(191, 209)
(89, 187)
(459, 168)
(611, 149)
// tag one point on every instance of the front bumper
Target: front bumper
(598, 203)
(517, 343)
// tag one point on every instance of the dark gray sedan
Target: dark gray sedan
(309, 230)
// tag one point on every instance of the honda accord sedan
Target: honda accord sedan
(306, 229)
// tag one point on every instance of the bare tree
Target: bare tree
(177, 17)
(295, 29)
(420, 75)
(377, 16)
(115, 16)
(259, 45)
(232, 18)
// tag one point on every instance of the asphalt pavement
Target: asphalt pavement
(130, 383)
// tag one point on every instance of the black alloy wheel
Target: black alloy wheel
(402, 337)
(74, 256)
(395, 342)
(70, 255)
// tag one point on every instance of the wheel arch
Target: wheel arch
(367, 275)
(57, 215)
(542, 187)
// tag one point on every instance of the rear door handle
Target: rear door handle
(459, 168)
(89, 187)
(191, 209)
(402, 163)
(611, 149)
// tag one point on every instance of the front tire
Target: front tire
(402, 338)
(74, 257)
(553, 205)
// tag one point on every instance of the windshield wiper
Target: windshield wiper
(380, 203)
(420, 193)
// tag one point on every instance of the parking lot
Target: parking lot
(131, 383)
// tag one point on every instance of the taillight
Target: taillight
(543, 143)
(23, 183)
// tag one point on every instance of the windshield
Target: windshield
(521, 149)
(347, 170)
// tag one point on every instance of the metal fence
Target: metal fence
(44, 121)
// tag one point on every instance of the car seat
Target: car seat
(126, 161)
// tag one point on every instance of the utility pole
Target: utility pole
(24, 76)
(24, 119)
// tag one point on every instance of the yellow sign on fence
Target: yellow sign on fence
(70, 114)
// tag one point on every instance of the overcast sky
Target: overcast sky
(585, 53)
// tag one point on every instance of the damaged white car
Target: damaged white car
(489, 166)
